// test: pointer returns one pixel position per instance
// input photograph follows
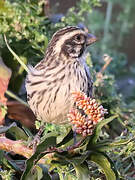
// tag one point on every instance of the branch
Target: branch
(107, 60)
(99, 76)
(17, 147)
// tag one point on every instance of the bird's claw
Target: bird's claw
(36, 139)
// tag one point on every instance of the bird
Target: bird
(63, 70)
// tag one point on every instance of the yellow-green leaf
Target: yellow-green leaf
(105, 164)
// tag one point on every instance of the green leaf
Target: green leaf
(36, 174)
(105, 164)
(18, 133)
(82, 171)
(3, 7)
(66, 139)
(79, 159)
(107, 145)
(39, 172)
(98, 128)
(49, 141)
(45, 42)
(1, 155)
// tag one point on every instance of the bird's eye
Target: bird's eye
(78, 37)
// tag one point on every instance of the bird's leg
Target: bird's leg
(37, 138)
(76, 145)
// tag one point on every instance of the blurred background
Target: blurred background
(120, 14)
(112, 21)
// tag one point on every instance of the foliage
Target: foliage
(28, 32)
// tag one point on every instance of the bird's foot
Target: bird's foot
(74, 146)
(36, 139)
(76, 143)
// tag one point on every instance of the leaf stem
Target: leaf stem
(12, 95)
(15, 55)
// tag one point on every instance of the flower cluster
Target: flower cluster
(86, 114)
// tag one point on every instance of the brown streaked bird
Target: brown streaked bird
(63, 70)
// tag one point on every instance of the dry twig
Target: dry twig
(107, 60)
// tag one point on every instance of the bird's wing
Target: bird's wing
(90, 82)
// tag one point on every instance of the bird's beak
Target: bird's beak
(90, 39)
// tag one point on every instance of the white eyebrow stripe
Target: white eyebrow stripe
(64, 37)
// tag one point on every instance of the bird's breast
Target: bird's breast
(52, 97)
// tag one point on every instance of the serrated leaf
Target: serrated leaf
(82, 171)
(49, 141)
(105, 164)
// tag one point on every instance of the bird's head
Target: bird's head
(70, 42)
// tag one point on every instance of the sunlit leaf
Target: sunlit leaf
(109, 145)
(82, 171)
(18, 133)
(105, 164)
(39, 172)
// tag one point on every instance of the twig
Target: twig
(12, 95)
(17, 147)
(107, 60)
